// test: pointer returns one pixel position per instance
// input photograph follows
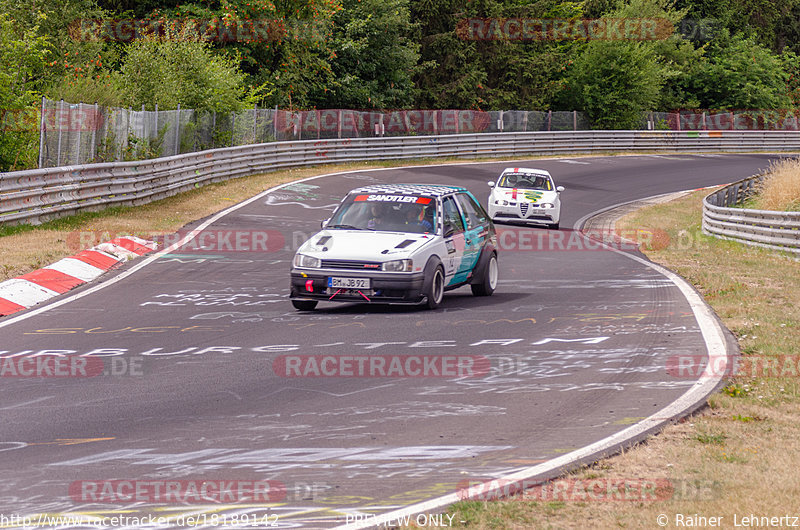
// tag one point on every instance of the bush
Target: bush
(615, 83)
(180, 69)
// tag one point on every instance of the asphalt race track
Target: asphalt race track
(577, 343)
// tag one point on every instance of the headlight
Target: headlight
(547, 205)
(398, 265)
(306, 262)
(505, 203)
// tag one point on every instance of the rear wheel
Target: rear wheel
(435, 291)
(490, 277)
(304, 305)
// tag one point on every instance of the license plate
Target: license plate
(349, 283)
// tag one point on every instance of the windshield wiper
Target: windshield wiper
(349, 227)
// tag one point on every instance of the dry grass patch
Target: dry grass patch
(740, 455)
(780, 191)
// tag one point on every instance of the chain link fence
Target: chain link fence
(77, 133)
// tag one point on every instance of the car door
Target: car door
(454, 240)
(476, 230)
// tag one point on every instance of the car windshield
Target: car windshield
(386, 213)
(525, 182)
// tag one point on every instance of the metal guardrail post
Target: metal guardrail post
(58, 120)
(95, 125)
(80, 126)
(41, 133)
(178, 130)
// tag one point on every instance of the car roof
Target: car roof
(526, 170)
(430, 190)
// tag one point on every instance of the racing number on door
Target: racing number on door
(475, 233)
(454, 224)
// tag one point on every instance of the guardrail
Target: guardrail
(38, 195)
(762, 228)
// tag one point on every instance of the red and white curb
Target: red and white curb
(30, 289)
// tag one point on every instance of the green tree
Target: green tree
(375, 56)
(678, 58)
(451, 74)
(774, 24)
(741, 74)
(289, 59)
(180, 69)
(22, 56)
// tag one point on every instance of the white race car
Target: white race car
(397, 244)
(524, 195)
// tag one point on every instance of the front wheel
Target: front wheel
(304, 305)
(490, 276)
(435, 291)
(553, 226)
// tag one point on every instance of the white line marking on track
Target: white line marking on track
(37, 400)
(272, 201)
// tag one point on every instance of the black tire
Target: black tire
(490, 275)
(553, 226)
(304, 305)
(435, 291)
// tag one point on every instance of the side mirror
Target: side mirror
(449, 230)
(491, 183)
(559, 189)
(324, 223)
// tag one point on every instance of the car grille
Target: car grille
(351, 265)
(523, 208)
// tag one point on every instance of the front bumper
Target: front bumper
(524, 212)
(386, 288)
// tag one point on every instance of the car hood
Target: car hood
(363, 245)
(521, 194)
